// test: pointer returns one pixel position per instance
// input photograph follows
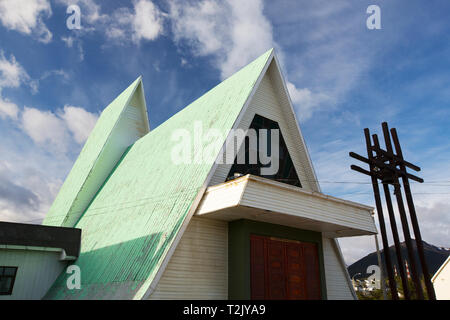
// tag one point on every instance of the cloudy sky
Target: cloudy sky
(342, 77)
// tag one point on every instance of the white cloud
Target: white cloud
(56, 130)
(27, 188)
(44, 127)
(8, 109)
(26, 16)
(79, 121)
(235, 32)
(144, 22)
(147, 21)
(434, 222)
(199, 25)
(305, 101)
(12, 73)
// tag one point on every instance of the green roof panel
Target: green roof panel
(75, 184)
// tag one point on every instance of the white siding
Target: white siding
(37, 270)
(198, 268)
(266, 102)
(335, 276)
(261, 199)
(441, 281)
(259, 195)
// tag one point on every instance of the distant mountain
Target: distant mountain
(434, 256)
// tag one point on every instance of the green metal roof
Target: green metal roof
(130, 225)
(65, 209)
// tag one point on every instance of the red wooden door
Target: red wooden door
(295, 272)
(276, 282)
(283, 269)
(312, 270)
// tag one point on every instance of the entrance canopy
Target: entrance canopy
(260, 199)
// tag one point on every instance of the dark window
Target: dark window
(7, 278)
(286, 171)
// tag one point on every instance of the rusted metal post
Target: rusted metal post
(414, 222)
(389, 168)
(403, 218)
(380, 264)
(398, 250)
(376, 191)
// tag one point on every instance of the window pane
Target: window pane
(9, 271)
(7, 276)
(5, 284)
(286, 170)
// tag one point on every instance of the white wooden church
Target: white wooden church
(155, 229)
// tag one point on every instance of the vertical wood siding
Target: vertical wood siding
(198, 268)
(37, 270)
(336, 279)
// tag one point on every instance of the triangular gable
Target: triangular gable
(282, 169)
(132, 224)
(121, 123)
(271, 100)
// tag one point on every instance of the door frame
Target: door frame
(239, 231)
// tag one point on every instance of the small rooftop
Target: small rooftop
(32, 236)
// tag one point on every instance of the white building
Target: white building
(153, 228)
(441, 281)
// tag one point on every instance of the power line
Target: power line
(122, 205)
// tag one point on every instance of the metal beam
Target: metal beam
(404, 220)
(398, 250)
(414, 222)
(387, 254)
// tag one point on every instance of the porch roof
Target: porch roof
(260, 199)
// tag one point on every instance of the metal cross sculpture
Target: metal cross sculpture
(389, 168)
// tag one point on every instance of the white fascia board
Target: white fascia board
(336, 217)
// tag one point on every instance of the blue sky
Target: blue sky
(342, 77)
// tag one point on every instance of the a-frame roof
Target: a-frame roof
(102, 150)
(131, 223)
